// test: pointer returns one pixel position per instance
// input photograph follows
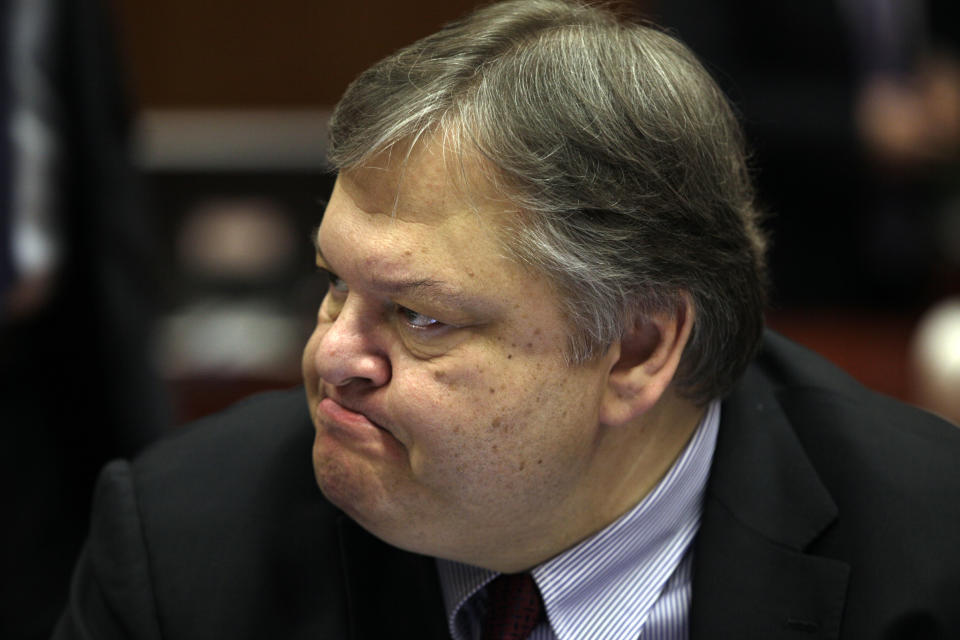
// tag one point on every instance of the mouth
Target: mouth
(341, 414)
(338, 423)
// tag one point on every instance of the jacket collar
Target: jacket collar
(764, 505)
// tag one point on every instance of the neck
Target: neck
(628, 462)
(634, 458)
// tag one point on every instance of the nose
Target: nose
(348, 350)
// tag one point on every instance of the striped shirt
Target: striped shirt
(628, 581)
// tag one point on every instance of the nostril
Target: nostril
(350, 359)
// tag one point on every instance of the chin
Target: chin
(350, 485)
(340, 480)
(352, 490)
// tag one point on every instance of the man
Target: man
(535, 370)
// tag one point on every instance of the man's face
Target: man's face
(447, 421)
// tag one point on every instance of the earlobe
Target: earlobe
(647, 360)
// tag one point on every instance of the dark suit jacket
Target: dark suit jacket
(830, 512)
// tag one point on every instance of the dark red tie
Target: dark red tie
(514, 607)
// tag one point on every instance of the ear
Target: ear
(646, 362)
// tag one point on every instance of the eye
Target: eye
(418, 320)
(335, 282)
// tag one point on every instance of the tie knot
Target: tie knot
(514, 607)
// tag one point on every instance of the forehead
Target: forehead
(426, 184)
(415, 206)
(403, 218)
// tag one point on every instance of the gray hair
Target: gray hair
(623, 155)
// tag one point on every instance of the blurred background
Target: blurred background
(852, 109)
(162, 170)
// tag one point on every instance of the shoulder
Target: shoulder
(245, 440)
(221, 527)
(891, 473)
(840, 422)
(235, 478)
(252, 459)
(828, 502)
(253, 455)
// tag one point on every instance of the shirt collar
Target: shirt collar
(610, 580)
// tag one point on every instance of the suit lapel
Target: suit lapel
(390, 592)
(764, 505)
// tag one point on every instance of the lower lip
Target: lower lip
(343, 417)
(344, 426)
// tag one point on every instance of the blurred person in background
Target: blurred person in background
(76, 291)
(853, 110)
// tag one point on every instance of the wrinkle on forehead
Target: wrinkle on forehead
(421, 183)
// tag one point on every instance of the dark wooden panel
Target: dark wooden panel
(872, 346)
(250, 53)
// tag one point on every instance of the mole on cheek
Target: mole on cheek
(444, 377)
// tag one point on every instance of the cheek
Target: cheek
(308, 362)
(476, 389)
(488, 414)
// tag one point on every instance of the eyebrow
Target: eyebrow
(416, 286)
